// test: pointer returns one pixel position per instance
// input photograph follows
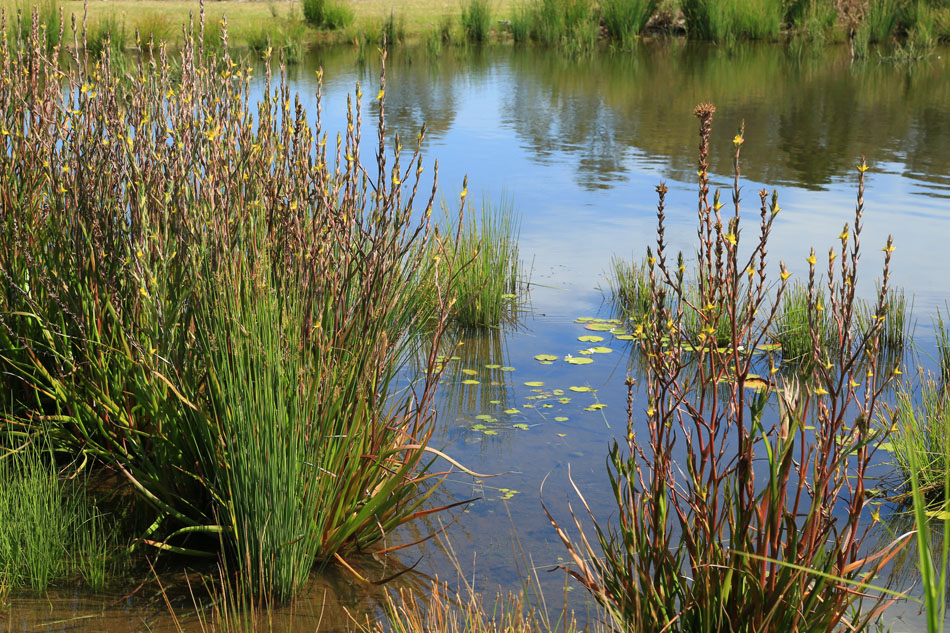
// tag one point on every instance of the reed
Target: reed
(729, 20)
(327, 14)
(476, 21)
(793, 327)
(179, 268)
(755, 524)
(626, 19)
(942, 331)
(921, 426)
(629, 285)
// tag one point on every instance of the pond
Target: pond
(578, 146)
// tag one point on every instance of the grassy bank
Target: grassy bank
(909, 28)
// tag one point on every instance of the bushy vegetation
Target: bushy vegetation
(626, 19)
(203, 300)
(476, 20)
(756, 525)
(327, 14)
(722, 20)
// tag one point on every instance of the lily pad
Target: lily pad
(512, 411)
(580, 389)
(590, 338)
(547, 406)
(470, 381)
(534, 383)
(583, 319)
(492, 366)
(479, 427)
(490, 432)
(596, 407)
(599, 327)
(600, 350)
(562, 434)
(586, 352)
(509, 295)
(770, 347)
(573, 360)
(483, 416)
(618, 331)
(494, 402)
(545, 357)
(560, 418)
(507, 368)
(546, 362)
(527, 406)
(558, 392)
(520, 426)
(756, 384)
(564, 400)
(469, 372)
(507, 493)
(626, 337)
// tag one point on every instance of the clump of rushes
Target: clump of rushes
(213, 301)
(793, 326)
(730, 20)
(762, 529)
(918, 440)
(895, 327)
(629, 283)
(626, 19)
(488, 278)
(326, 14)
(476, 20)
(942, 330)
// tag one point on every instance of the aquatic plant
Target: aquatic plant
(107, 31)
(729, 20)
(626, 19)
(894, 332)
(942, 331)
(178, 270)
(799, 315)
(756, 524)
(629, 285)
(476, 20)
(327, 14)
(918, 440)
(488, 282)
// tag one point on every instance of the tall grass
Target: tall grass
(327, 14)
(629, 284)
(797, 319)
(488, 280)
(107, 31)
(555, 22)
(476, 20)
(626, 19)
(730, 515)
(725, 20)
(882, 19)
(198, 295)
(918, 442)
(942, 331)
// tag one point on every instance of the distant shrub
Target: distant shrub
(476, 20)
(327, 14)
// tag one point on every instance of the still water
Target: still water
(578, 146)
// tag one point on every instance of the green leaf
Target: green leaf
(590, 338)
(470, 382)
(545, 357)
(578, 361)
(560, 418)
(534, 383)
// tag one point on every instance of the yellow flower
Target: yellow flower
(870, 373)
(890, 248)
(651, 411)
(819, 307)
(821, 391)
(811, 259)
(785, 275)
(854, 383)
(464, 193)
(738, 140)
(381, 94)
(844, 236)
(897, 372)
(863, 167)
(732, 238)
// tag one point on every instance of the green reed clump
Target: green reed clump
(894, 332)
(476, 20)
(208, 299)
(283, 39)
(487, 280)
(629, 284)
(729, 20)
(942, 330)
(153, 27)
(626, 19)
(731, 516)
(799, 316)
(107, 31)
(555, 22)
(883, 18)
(327, 14)
(921, 426)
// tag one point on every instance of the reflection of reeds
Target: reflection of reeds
(484, 352)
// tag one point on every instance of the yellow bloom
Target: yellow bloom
(890, 248)
(785, 275)
(732, 238)
(844, 236)
(381, 94)
(738, 140)
(464, 193)
(863, 167)
(811, 259)
(821, 391)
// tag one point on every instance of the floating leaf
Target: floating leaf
(618, 331)
(509, 295)
(595, 407)
(583, 319)
(600, 350)
(483, 416)
(886, 446)
(564, 400)
(470, 381)
(626, 337)
(528, 406)
(769, 347)
(590, 338)
(547, 406)
(491, 432)
(494, 402)
(534, 383)
(586, 352)
(546, 362)
(943, 515)
(579, 361)
(560, 418)
(562, 434)
(469, 372)
(455, 358)
(512, 411)
(492, 366)
(756, 384)
(520, 426)
(507, 368)
(507, 493)
(545, 357)
(598, 327)
(479, 427)
(558, 392)
(580, 389)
